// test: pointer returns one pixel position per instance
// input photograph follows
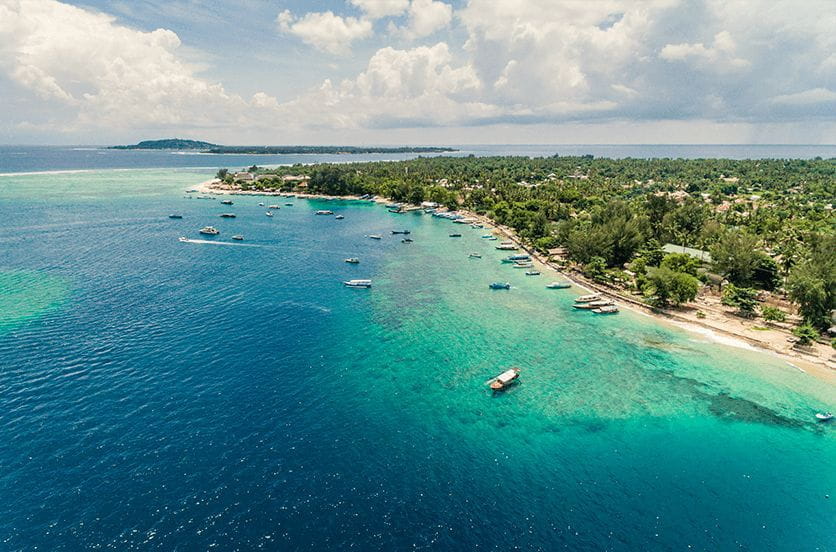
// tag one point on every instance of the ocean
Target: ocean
(160, 395)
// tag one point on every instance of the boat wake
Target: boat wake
(187, 240)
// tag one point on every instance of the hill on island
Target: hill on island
(207, 147)
(169, 144)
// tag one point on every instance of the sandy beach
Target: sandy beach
(717, 326)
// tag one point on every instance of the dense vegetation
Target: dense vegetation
(768, 224)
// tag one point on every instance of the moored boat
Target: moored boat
(209, 231)
(358, 283)
(352, 260)
(505, 379)
(559, 285)
(500, 285)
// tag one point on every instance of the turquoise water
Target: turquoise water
(165, 395)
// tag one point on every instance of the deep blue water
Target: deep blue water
(15, 159)
(161, 395)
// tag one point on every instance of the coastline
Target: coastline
(819, 362)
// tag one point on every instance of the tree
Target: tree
(742, 298)
(734, 256)
(681, 262)
(667, 287)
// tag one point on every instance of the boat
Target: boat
(358, 283)
(559, 285)
(175, 216)
(588, 298)
(824, 416)
(226, 202)
(407, 240)
(339, 217)
(532, 273)
(404, 232)
(352, 260)
(606, 309)
(238, 237)
(273, 207)
(210, 230)
(475, 256)
(593, 304)
(269, 213)
(505, 379)
(455, 235)
(324, 212)
(500, 285)
(227, 215)
(375, 236)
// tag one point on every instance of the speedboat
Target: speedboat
(559, 285)
(210, 230)
(824, 416)
(175, 216)
(269, 213)
(455, 235)
(339, 217)
(500, 285)
(475, 256)
(505, 379)
(358, 283)
(532, 272)
(227, 215)
(352, 260)
(375, 236)
(226, 202)
(238, 237)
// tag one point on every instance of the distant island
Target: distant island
(207, 147)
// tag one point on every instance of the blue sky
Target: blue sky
(419, 71)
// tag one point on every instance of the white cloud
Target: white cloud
(325, 31)
(807, 97)
(376, 9)
(720, 55)
(425, 18)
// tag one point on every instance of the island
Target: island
(180, 144)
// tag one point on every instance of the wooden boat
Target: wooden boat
(505, 379)
(500, 285)
(559, 285)
(606, 309)
(588, 298)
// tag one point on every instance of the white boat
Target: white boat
(824, 416)
(588, 298)
(505, 379)
(358, 283)
(210, 231)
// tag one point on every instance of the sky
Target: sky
(418, 71)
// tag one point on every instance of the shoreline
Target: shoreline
(722, 331)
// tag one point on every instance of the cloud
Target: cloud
(325, 31)
(377, 9)
(720, 55)
(425, 18)
(91, 72)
